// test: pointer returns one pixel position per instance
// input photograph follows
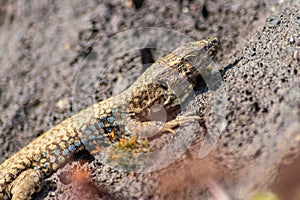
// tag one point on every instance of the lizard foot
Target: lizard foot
(27, 183)
(170, 125)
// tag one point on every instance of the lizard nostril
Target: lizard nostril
(157, 113)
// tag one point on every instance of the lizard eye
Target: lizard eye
(191, 58)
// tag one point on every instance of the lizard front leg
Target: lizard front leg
(152, 128)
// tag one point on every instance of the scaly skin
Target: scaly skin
(107, 122)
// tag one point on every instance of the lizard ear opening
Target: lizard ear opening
(163, 85)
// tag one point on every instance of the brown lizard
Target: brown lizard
(110, 121)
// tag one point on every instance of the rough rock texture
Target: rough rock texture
(43, 46)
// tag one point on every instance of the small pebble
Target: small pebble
(273, 22)
(62, 103)
(291, 40)
(272, 8)
(185, 10)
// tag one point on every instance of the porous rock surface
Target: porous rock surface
(44, 44)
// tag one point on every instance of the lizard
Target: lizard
(110, 121)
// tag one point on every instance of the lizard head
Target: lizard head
(186, 66)
(199, 48)
(189, 58)
(197, 54)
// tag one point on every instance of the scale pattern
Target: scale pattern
(105, 123)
